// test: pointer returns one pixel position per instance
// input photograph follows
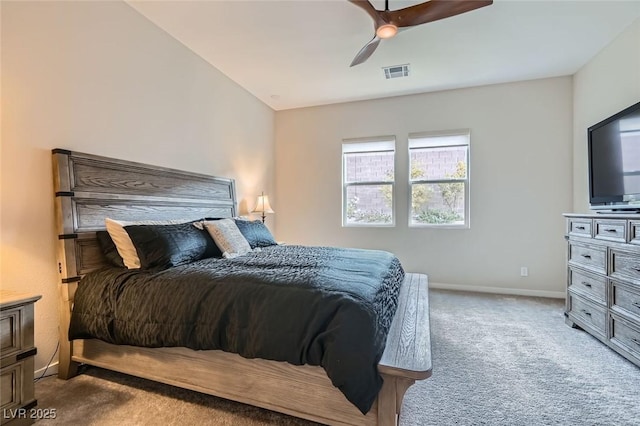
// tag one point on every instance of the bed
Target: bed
(89, 188)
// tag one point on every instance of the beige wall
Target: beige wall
(521, 170)
(607, 84)
(97, 77)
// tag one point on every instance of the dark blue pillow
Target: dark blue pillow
(163, 246)
(109, 249)
(256, 233)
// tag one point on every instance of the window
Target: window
(368, 181)
(439, 179)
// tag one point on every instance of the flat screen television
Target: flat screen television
(614, 162)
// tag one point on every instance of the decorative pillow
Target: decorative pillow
(256, 233)
(123, 243)
(109, 249)
(228, 237)
(163, 246)
(200, 223)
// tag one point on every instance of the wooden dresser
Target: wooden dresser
(603, 279)
(18, 353)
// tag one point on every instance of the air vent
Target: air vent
(396, 71)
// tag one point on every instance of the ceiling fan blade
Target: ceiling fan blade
(366, 51)
(430, 11)
(372, 11)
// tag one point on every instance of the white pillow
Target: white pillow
(228, 237)
(123, 242)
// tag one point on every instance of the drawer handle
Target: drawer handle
(586, 284)
(613, 231)
(585, 312)
(636, 304)
(582, 228)
(636, 341)
(586, 256)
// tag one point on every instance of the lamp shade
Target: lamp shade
(262, 205)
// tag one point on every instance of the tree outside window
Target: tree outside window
(439, 179)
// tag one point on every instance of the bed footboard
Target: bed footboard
(407, 355)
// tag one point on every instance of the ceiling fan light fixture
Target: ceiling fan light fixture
(387, 31)
(406, 17)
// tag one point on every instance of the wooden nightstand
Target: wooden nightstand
(18, 353)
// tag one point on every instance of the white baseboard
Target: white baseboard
(500, 290)
(53, 369)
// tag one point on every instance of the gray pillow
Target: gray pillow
(228, 237)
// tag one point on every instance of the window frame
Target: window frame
(364, 146)
(465, 181)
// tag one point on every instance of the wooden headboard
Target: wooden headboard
(89, 188)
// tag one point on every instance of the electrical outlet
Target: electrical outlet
(524, 271)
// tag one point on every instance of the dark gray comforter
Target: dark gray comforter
(304, 305)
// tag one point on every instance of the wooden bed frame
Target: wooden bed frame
(89, 188)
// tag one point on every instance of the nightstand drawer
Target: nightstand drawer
(588, 315)
(611, 230)
(11, 379)
(10, 331)
(588, 284)
(16, 385)
(625, 265)
(588, 256)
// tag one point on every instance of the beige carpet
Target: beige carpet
(498, 360)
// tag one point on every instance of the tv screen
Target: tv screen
(614, 161)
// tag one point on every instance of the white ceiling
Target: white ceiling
(296, 53)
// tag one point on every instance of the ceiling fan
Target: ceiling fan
(388, 22)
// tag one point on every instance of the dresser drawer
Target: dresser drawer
(580, 227)
(611, 230)
(625, 265)
(625, 300)
(634, 232)
(626, 336)
(589, 285)
(588, 256)
(588, 315)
